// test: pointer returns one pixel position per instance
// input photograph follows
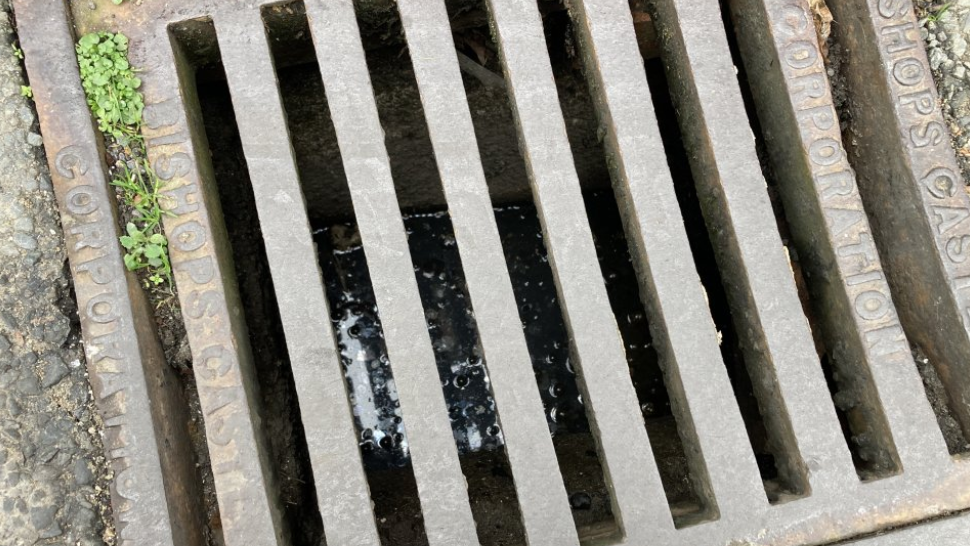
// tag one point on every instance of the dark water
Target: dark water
(451, 324)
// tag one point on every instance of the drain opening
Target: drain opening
(350, 295)
(353, 310)
(754, 388)
(548, 343)
(530, 273)
(956, 441)
(527, 260)
(441, 284)
(685, 490)
(278, 408)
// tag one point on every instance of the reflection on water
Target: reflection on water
(451, 324)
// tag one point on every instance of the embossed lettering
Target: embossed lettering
(956, 248)
(872, 305)
(929, 134)
(98, 269)
(106, 346)
(863, 249)
(69, 162)
(180, 196)
(922, 101)
(840, 220)
(825, 151)
(898, 37)
(822, 117)
(188, 236)
(940, 182)
(200, 270)
(796, 20)
(82, 200)
(801, 54)
(809, 86)
(202, 303)
(862, 278)
(102, 308)
(89, 236)
(908, 71)
(215, 362)
(887, 340)
(837, 183)
(168, 166)
(948, 217)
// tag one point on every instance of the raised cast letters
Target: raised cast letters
(945, 205)
(69, 163)
(834, 181)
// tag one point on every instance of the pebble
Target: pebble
(82, 472)
(937, 56)
(43, 517)
(25, 241)
(54, 371)
(34, 139)
(958, 46)
(24, 223)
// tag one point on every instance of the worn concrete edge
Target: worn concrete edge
(953, 531)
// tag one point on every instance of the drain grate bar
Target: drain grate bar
(683, 328)
(539, 488)
(640, 507)
(441, 484)
(731, 190)
(202, 264)
(911, 185)
(342, 490)
(859, 319)
(151, 492)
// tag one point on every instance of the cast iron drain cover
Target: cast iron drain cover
(384, 368)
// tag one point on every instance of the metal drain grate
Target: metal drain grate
(907, 180)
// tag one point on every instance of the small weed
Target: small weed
(145, 245)
(26, 91)
(111, 85)
(17, 52)
(936, 15)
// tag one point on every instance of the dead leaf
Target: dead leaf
(823, 23)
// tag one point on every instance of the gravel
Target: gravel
(53, 475)
(945, 27)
